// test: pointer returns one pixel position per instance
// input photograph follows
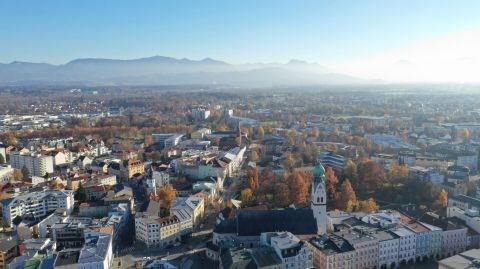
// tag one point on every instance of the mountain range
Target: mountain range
(161, 70)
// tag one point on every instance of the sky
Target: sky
(401, 40)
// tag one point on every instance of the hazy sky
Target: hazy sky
(364, 38)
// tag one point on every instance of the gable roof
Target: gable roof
(296, 221)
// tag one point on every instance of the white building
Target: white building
(294, 253)
(97, 252)
(195, 207)
(388, 249)
(407, 244)
(37, 164)
(167, 140)
(157, 232)
(108, 180)
(39, 204)
(6, 172)
(201, 113)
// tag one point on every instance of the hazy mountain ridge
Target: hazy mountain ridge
(167, 70)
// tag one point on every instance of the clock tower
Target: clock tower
(319, 198)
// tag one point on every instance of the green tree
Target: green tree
(2, 159)
(81, 194)
(25, 173)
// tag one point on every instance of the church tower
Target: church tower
(319, 199)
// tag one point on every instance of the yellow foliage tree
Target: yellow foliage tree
(368, 206)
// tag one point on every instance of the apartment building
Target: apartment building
(37, 164)
(37, 204)
(332, 252)
(167, 140)
(8, 250)
(154, 231)
(95, 253)
(330, 159)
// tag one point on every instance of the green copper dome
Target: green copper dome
(319, 172)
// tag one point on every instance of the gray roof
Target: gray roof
(95, 249)
(7, 243)
(467, 199)
(265, 257)
(66, 257)
(464, 260)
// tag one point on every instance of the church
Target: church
(246, 227)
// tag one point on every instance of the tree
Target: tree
(17, 175)
(148, 141)
(288, 162)
(2, 159)
(298, 187)
(81, 194)
(351, 171)
(260, 132)
(465, 135)
(166, 194)
(246, 195)
(368, 206)
(398, 173)
(371, 176)
(253, 179)
(442, 200)
(25, 173)
(254, 156)
(281, 194)
(347, 197)
(126, 145)
(331, 181)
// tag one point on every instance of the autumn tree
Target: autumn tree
(166, 194)
(331, 181)
(442, 200)
(126, 145)
(288, 162)
(148, 141)
(371, 177)
(368, 206)
(253, 179)
(260, 132)
(281, 194)
(266, 188)
(465, 135)
(347, 196)
(398, 173)
(350, 171)
(315, 132)
(246, 195)
(254, 156)
(298, 187)
(17, 175)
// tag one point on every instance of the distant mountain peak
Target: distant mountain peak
(297, 61)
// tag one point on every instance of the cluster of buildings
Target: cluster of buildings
(385, 239)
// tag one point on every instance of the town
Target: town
(171, 177)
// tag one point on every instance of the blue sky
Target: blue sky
(234, 31)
